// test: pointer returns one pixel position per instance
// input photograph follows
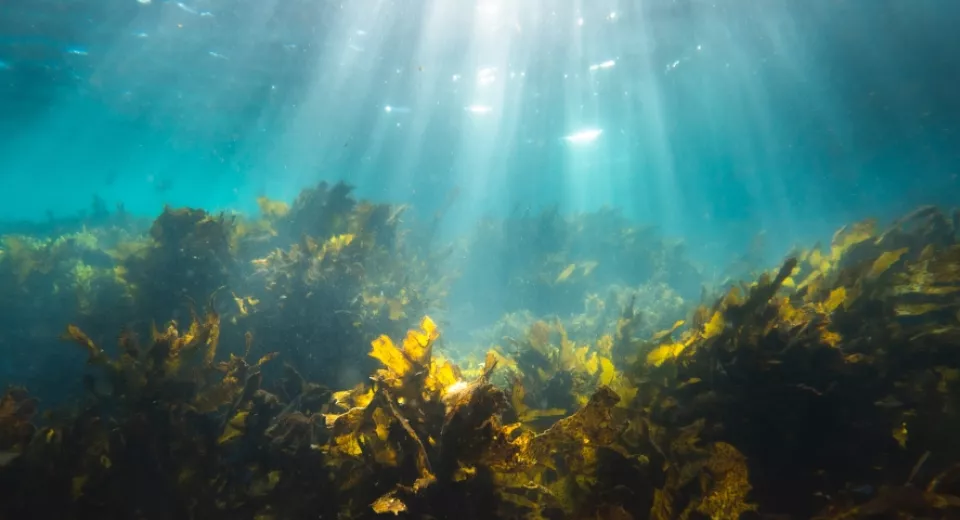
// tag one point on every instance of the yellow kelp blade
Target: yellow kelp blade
(392, 358)
(565, 274)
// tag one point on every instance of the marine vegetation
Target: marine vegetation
(313, 279)
(548, 263)
(836, 377)
(64, 274)
(826, 388)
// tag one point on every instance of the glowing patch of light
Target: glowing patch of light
(583, 136)
(580, 21)
(478, 109)
(456, 388)
(613, 15)
(186, 8)
(489, 9)
(455, 78)
(486, 76)
(395, 110)
(605, 65)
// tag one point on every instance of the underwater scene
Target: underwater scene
(479, 259)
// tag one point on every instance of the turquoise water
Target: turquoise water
(561, 183)
(732, 127)
(716, 119)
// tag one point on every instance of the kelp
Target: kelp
(44, 280)
(347, 277)
(327, 269)
(74, 267)
(549, 263)
(822, 375)
(17, 410)
(652, 306)
(448, 436)
(206, 439)
(186, 258)
(557, 373)
(152, 415)
(825, 388)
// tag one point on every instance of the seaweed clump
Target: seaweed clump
(835, 376)
(169, 431)
(186, 258)
(58, 278)
(548, 263)
(145, 436)
(332, 273)
(312, 280)
(827, 388)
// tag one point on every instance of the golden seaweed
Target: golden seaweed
(825, 388)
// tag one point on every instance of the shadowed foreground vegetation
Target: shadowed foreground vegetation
(228, 367)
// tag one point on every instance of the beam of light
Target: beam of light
(583, 136)
(478, 109)
(489, 9)
(500, 98)
(486, 76)
(390, 109)
(497, 52)
(352, 107)
(390, 98)
(609, 64)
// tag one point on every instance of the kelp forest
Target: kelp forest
(302, 363)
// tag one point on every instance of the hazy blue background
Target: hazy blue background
(718, 118)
